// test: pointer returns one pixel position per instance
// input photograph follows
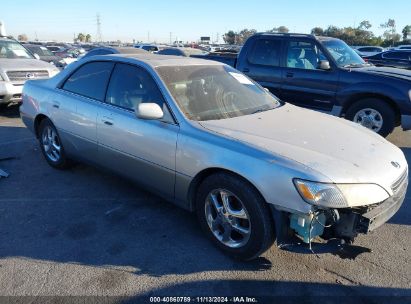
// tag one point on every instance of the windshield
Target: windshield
(40, 50)
(215, 92)
(13, 50)
(343, 54)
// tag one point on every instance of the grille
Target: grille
(22, 76)
(400, 183)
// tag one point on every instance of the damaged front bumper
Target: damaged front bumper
(344, 223)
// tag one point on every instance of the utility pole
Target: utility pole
(98, 38)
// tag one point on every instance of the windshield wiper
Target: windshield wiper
(354, 65)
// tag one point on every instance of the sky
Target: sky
(188, 20)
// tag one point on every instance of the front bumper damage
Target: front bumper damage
(343, 224)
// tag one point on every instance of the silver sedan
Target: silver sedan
(207, 138)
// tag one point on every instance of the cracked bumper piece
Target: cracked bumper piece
(381, 214)
(354, 221)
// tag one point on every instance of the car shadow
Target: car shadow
(10, 111)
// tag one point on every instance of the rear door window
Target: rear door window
(90, 80)
(266, 52)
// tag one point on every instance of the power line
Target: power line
(98, 37)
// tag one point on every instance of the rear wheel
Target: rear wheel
(51, 146)
(234, 216)
(374, 114)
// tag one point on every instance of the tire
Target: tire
(51, 146)
(244, 200)
(373, 108)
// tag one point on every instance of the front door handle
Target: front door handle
(289, 75)
(56, 104)
(246, 70)
(107, 120)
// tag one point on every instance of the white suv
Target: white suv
(17, 65)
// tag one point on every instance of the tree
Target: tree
(390, 34)
(244, 35)
(230, 37)
(280, 29)
(353, 36)
(22, 37)
(364, 25)
(81, 37)
(406, 32)
(318, 31)
(88, 38)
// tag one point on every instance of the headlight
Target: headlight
(54, 72)
(409, 94)
(340, 195)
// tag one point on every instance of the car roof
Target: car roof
(155, 61)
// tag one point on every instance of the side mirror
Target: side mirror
(324, 65)
(36, 56)
(149, 111)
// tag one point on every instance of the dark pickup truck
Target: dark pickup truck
(325, 74)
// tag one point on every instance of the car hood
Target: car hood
(387, 72)
(23, 64)
(336, 148)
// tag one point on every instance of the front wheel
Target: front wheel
(234, 216)
(373, 114)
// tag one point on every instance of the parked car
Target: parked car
(17, 65)
(181, 51)
(46, 55)
(55, 48)
(206, 137)
(368, 50)
(152, 48)
(113, 50)
(393, 58)
(404, 47)
(325, 74)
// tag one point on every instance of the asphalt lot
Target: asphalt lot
(86, 232)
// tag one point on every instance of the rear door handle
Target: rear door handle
(56, 104)
(289, 75)
(246, 70)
